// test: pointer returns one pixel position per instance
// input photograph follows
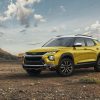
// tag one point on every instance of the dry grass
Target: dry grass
(89, 80)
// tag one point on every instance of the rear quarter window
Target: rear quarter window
(80, 40)
(89, 42)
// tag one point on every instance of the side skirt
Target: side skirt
(85, 64)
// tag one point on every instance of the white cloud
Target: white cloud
(1, 34)
(54, 29)
(77, 30)
(27, 2)
(23, 31)
(38, 18)
(60, 28)
(2, 25)
(87, 28)
(95, 25)
(62, 8)
(21, 12)
(93, 30)
(12, 8)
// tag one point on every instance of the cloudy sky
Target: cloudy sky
(27, 24)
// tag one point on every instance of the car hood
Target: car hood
(50, 49)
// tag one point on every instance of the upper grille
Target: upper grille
(35, 53)
(32, 58)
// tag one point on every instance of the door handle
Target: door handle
(97, 48)
(85, 48)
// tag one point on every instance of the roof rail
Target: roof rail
(83, 35)
(59, 35)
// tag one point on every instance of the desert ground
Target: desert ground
(16, 84)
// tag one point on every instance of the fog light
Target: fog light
(51, 58)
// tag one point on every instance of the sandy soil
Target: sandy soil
(15, 84)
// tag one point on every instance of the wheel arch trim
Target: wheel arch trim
(66, 55)
(98, 56)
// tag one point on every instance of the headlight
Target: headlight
(52, 52)
(52, 58)
(24, 54)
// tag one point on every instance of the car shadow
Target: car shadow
(45, 74)
(84, 71)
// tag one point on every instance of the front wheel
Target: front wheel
(33, 72)
(97, 66)
(66, 67)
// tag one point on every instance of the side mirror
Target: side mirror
(78, 45)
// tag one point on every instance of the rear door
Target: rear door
(91, 49)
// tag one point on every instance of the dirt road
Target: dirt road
(15, 84)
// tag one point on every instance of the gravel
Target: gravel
(15, 84)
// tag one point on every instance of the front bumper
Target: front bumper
(25, 66)
(37, 62)
(37, 67)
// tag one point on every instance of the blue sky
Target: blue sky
(26, 22)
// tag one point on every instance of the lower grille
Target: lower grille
(34, 62)
(31, 60)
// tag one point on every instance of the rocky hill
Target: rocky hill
(5, 56)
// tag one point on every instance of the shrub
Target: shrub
(89, 81)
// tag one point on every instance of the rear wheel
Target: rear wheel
(33, 72)
(97, 67)
(66, 67)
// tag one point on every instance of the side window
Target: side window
(79, 40)
(89, 42)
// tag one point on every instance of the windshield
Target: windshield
(63, 41)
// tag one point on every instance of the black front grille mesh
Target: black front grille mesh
(33, 60)
(35, 53)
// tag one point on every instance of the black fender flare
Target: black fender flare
(69, 55)
(98, 56)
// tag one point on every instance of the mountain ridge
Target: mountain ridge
(5, 56)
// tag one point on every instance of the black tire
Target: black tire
(97, 67)
(32, 72)
(66, 67)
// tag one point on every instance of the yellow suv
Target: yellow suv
(63, 54)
